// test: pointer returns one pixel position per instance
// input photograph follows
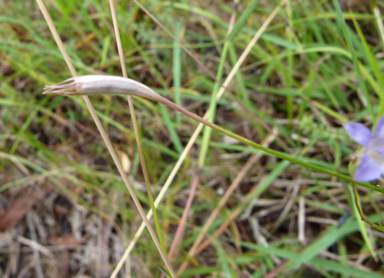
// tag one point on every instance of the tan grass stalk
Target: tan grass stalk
(251, 161)
(181, 45)
(181, 227)
(379, 22)
(135, 126)
(225, 87)
(195, 135)
(222, 228)
(104, 135)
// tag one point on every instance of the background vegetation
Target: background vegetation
(64, 209)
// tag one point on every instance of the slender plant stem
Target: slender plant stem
(203, 151)
(356, 199)
(256, 190)
(260, 147)
(103, 134)
(212, 107)
(136, 129)
(180, 229)
(223, 85)
(343, 25)
(196, 134)
(251, 161)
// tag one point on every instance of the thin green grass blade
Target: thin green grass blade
(171, 129)
(170, 126)
(244, 97)
(106, 45)
(245, 32)
(242, 20)
(176, 65)
(318, 263)
(374, 66)
(289, 72)
(272, 176)
(293, 159)
(123, 128)
(331, 235)
(26, 124)
(362, 225)
(347, 35)
(223, 260)
(212, 106)
(330, 95)
(329, 111)
(370, 57)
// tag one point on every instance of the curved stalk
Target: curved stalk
(113, 85)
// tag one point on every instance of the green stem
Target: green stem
(212, 107)
(348, 38)
(359, 209)
(262, 148)
(145, 174)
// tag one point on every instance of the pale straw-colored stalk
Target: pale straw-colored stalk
(251, 161)
(194, 137)
(201, 65)
(256, 190)
(135, 127)
(181, 227)
(173, 251)
(114, 85)
(104, 135)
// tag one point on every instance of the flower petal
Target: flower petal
(376, 146)
(379, 130)
(379, 161)
(367, 170)
(360, 133)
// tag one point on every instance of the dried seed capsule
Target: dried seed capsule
(101, 84)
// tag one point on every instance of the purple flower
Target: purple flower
(371, 158)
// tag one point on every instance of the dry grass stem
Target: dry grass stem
(262, 195)
(224, 86)
(260, 239)
(252, 160)
(180, 229)
(196, 134)
(135, 127)
(104, 135)
(301, 220)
